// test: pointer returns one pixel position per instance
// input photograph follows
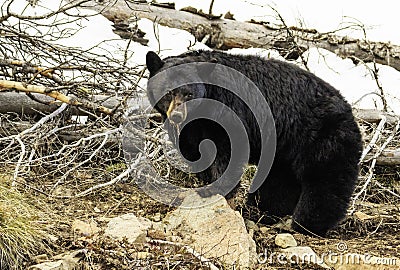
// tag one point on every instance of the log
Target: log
(389, 157)
(374, 116)
(225, 34)
(20, 103)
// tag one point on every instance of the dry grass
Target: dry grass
(20, 234)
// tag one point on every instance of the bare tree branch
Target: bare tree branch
(7, 85)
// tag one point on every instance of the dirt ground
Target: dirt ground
(378, 234)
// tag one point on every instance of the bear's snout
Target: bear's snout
(177, 111)
(177, 117)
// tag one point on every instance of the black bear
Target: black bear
(318, 142)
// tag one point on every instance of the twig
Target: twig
(106, 136)
(45, 119)
(21, 157)
(77, 143)
(375, 71)
(374, 138)
(377, 227)
(292, 37)
(189, 250)
(211, 7)
(388, 139)
(30, 130)
(113, 181)
(386, 189)
(156, 33)
(364, 187)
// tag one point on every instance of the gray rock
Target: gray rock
(251, 225)
(82, 228)
(129, 226)
(65, 261)
(57, 265)
(264, 230)
(285, 240)
(157, 217)
(215, 230)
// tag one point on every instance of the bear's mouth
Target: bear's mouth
(177, 111)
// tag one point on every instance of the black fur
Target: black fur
(318, 142)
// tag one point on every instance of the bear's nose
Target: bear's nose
(176, 117)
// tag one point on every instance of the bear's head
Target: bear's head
(172, 102)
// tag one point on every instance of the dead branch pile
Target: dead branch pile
(46, 150)
(33, 60)
(379, 176)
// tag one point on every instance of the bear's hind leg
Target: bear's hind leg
(326, 193)
(328, 171)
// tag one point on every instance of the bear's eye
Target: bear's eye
(189, 95)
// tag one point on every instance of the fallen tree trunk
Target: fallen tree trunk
(389, 157)
(374, 116)
(225, 34)
(20, 103)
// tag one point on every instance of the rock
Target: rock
(264, 229)
(65, 261)
(52, 238)
(285, 240)
(159, 226)
(303, 255)
(129, 226)
(142, 255)
(157, 231)
(157, 217)
(174, 238)
(212, 228)
(87, 229)
(229, 16)
(156, 234)
(251, 225)
(362, 216)
(62, 191)
(57, 265)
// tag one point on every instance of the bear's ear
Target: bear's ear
(153, 62)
